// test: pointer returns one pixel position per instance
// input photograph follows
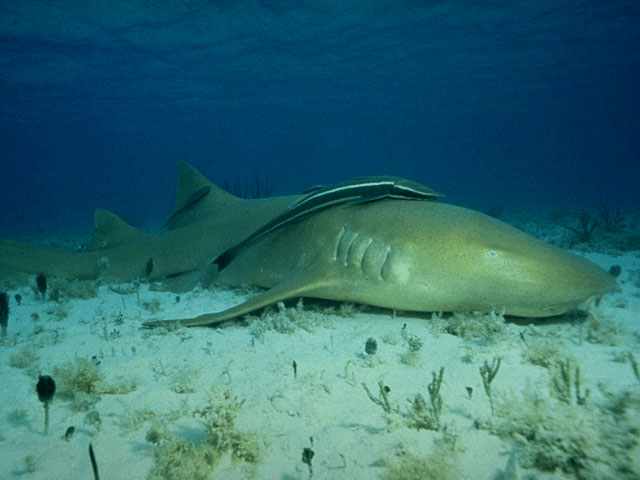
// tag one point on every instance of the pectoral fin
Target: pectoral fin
(295, 287)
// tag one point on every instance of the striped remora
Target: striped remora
(356, 191)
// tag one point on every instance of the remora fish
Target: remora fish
(356, 191)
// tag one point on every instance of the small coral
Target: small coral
(543, 352)
(81, 376)
(471, 326)
(603, 330)
(25, 358)
(586, 441)
(219, 419)
(176, 457)
(582, 223)
(440, 464)
(283, 319)
(423, 416)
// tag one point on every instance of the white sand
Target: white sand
(171, 374)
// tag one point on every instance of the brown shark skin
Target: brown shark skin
(19, 261)
(175, 252)
(191, 242)
(431, 257)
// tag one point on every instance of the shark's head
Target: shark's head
(488, 265)
(528, 277)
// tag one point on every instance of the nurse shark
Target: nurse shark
(381, 241)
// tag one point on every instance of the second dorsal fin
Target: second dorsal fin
(111, 230)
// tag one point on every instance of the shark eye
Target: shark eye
(492, 254)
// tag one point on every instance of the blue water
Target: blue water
(520, 104)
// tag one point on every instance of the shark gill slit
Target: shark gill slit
(352, 250)
(375, 261)
(386, 268)
(372, 259)
(344, 244)
(357, 252)
(337, 247)
(362, 254)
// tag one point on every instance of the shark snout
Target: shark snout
(544, 280)
(583, 283)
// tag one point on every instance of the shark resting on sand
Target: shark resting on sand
(381, 241)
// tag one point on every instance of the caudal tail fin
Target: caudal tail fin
(19, 261)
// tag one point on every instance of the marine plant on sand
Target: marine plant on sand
(219, 418)
(612, 215)
(566, 383)
(177, 457)
(544, 352)
(382, 400)
(595, 439)
(80, 376)
(488, 373)
(582, 223)
(81, 381)
(438, 464)
(487, 327)
(423, 416)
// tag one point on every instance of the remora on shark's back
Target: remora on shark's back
(357, 191)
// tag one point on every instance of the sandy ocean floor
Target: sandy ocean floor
(228, 403)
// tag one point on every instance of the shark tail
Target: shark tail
(19, 261)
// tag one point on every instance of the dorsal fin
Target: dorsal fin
(189, 203)
(196, 197)
(111, 230)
